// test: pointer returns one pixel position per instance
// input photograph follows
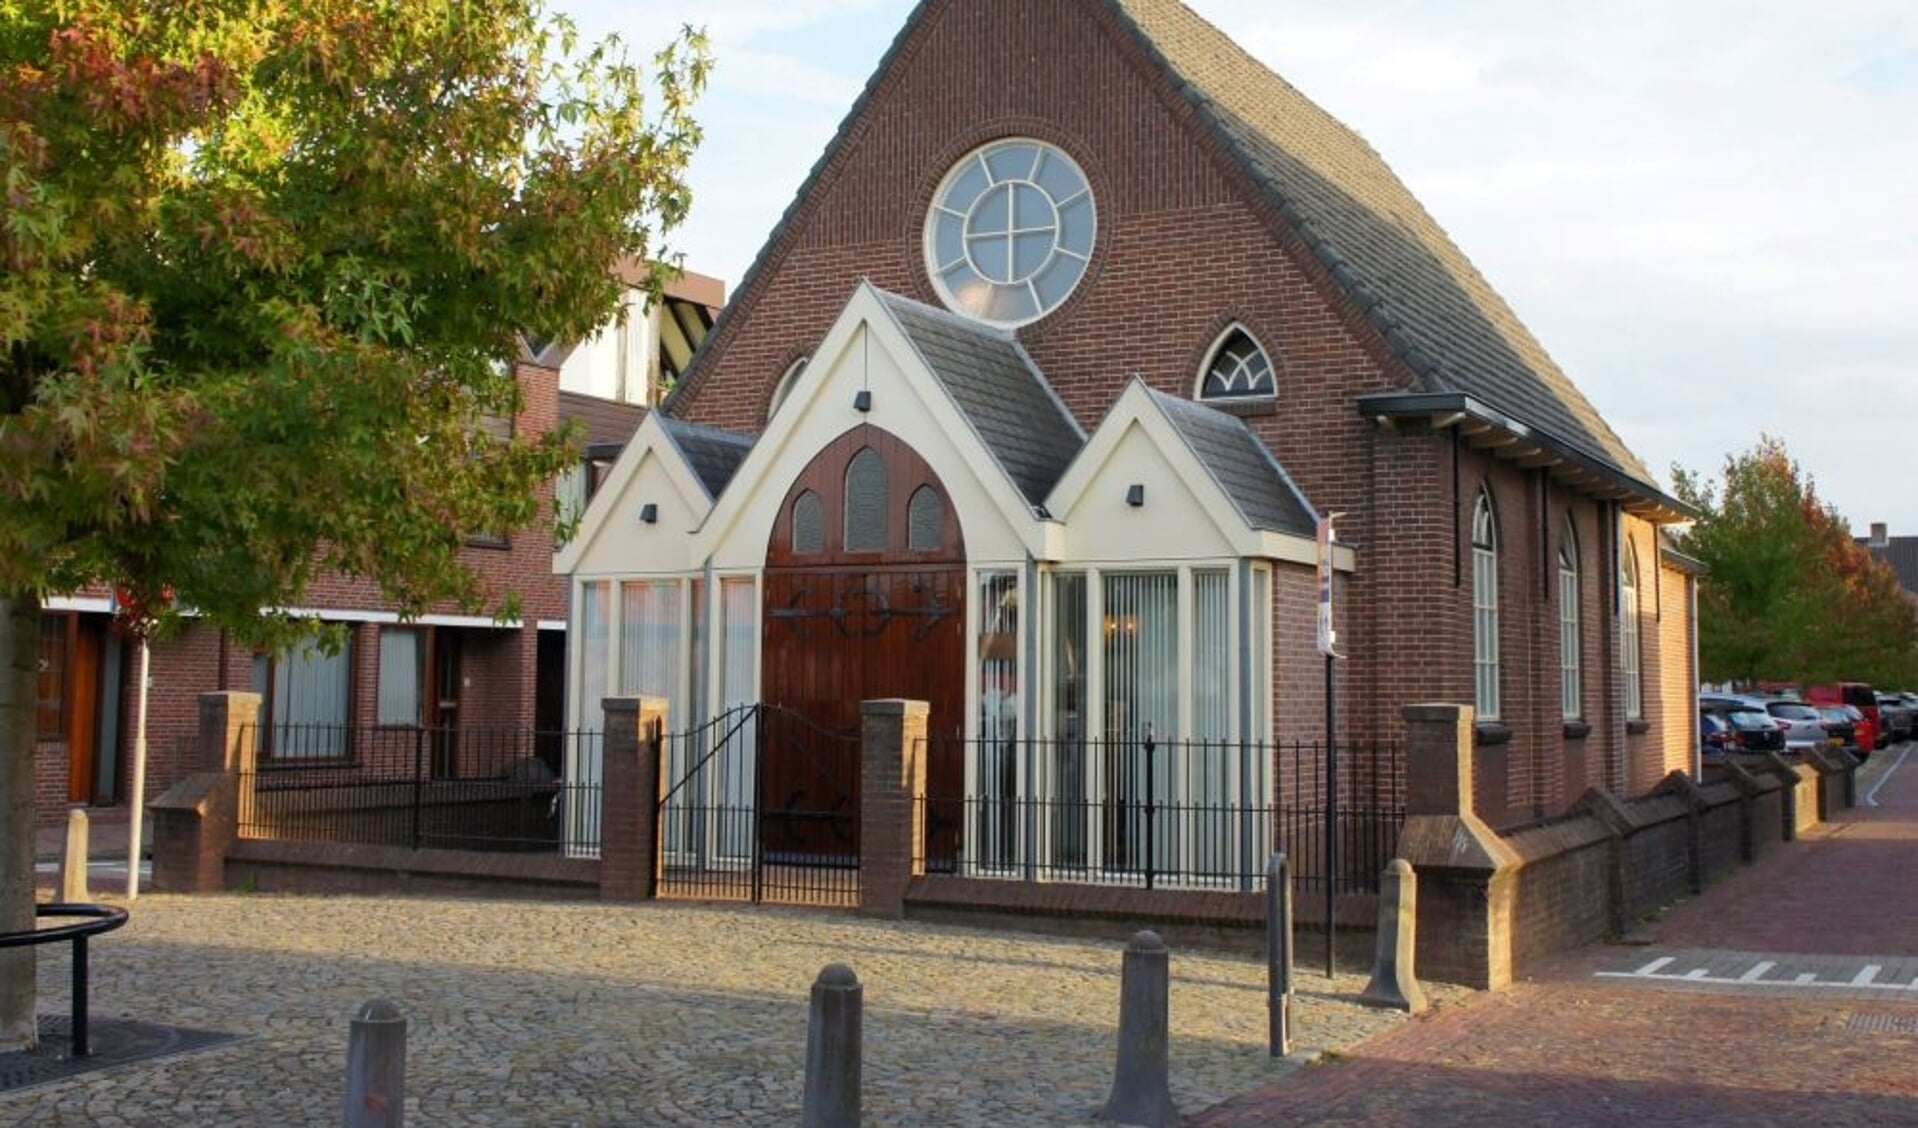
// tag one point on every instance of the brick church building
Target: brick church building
(1031, 404)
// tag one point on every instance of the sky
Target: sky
(1707, 210)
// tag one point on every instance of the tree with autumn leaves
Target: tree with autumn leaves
(261, 267)
(1791, 596)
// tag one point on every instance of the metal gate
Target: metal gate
(761, 804)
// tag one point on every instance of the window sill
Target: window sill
(1577, 730)
(1244, 409)
(1490, 733)
(270, 764)
(1638, 726)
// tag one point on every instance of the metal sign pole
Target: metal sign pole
(1328, 640)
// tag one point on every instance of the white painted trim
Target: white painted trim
(650, 438)
(552, 625)
(83, 603)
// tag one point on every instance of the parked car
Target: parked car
(1840, 731)
(1752, 728)
(1715, 734)
(1897, 716)
(1804, 728)
(1859, 695)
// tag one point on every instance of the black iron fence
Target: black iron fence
(761, 804)
(1189, 814)
(464, 788)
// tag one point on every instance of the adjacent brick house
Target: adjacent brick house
(443, 670)
(1061, 259)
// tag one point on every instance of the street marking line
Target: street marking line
(1871, 797)
(1807, 977)
(1656, 965)
(1757, 972)
(1698, 973)
(1865, 977)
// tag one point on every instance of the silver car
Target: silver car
(1804, 728)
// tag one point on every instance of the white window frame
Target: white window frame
(1571, 681)
(1212, 356)
(1485, 626)
(1629, 638)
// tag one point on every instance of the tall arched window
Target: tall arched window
(1570, 685)
(1485, 608)
(866, 526)
(809, 523)
(1237, 369)
(1628, 630)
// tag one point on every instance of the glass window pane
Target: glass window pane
(310, 700)
(1012, 303)
(993, 215)
(1029, 253)
(966, 185)
(402, 662)
(595, 632)
(1212, 672)
(649, 633)
(866, 496)
(1076, 226)
(1012, 162)
(809, 523)
(995, 825)
(991, 255)
(925, 520)
(948, 240)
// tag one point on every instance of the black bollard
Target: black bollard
(1278, 953)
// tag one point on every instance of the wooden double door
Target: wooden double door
(868, 603)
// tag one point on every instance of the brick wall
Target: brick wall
(1186, 249)
(499, 665)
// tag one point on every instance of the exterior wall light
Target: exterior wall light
(862, 400)
(1135, 495)
(649, 514)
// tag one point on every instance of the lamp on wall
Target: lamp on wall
(1135, 495)
(649, 514)
(862, 400)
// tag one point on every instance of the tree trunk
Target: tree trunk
(19, 688)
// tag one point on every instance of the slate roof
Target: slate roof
(1902, 554)
(1420, 291)
(713, 454)
(1242, 465)
(605, 422)
(998, 389)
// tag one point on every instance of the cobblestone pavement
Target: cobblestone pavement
(542, 1014)
(1569, 1048)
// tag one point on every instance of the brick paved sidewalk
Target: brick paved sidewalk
(1569, 1049)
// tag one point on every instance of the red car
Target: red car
(1859, 696)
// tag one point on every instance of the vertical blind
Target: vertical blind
(649, 633)
(595, 622)
(401, 666)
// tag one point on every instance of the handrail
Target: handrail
(98, 919)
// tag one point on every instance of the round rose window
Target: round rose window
(1010, 232)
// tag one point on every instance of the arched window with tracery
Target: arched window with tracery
(925, 520)
(1238, 368)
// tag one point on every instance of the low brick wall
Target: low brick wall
(1561, 893)
(312, 867)
(1721, 832)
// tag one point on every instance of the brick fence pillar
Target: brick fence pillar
(631, 757)
(197, 820)
(892, 812)
(1467, 874)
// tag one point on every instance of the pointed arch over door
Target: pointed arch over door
(874, 608)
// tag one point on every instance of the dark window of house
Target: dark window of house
(50, 715)
(925, 517)
(809, 523)
(866, 502)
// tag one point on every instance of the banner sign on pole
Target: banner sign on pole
(1328, 637)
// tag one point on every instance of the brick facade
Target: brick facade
(1186, 248)
(498, 664)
